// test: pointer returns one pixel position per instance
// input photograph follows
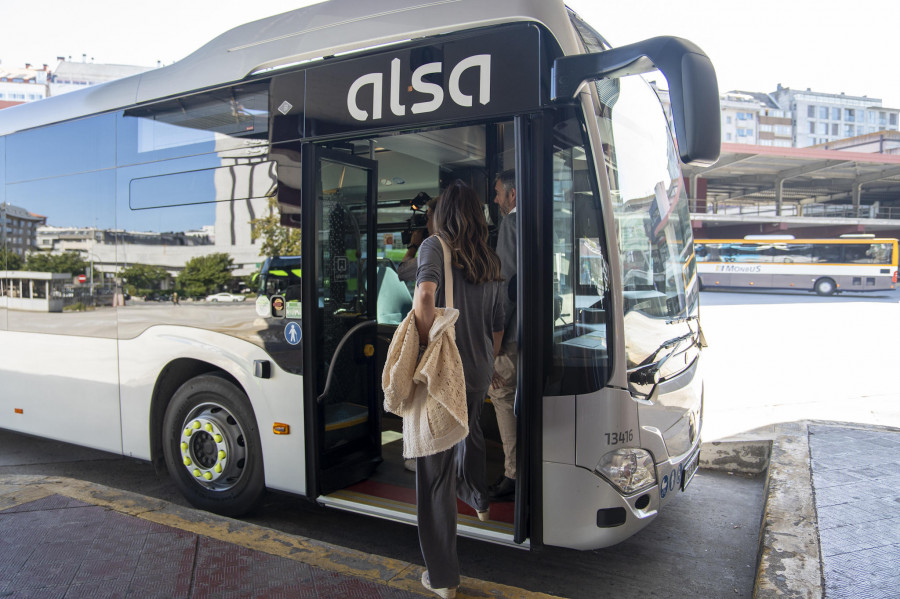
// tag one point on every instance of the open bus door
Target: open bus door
(342, 415)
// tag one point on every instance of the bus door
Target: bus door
(340, 383)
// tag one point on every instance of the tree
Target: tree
(277, 240)
(69, 262)
(205, 274)
(10, 260)
(144, 276)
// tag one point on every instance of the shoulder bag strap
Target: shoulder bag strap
(448, 274)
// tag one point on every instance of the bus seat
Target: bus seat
(344, 422)
(394, 301)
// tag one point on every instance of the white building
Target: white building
(18, 86)
(740, 118)
(69, 76)
(819, 118)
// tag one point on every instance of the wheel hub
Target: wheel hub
(212, 447)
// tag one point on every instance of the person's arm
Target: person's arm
(498, 342)
(415, 241)
(424, 309)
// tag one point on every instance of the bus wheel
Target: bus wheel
(825, 286)
(212, 448)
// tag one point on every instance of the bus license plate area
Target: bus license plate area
(690, 469)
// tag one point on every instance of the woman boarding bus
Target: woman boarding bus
(191, 176)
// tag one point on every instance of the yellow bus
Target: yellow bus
(826, 266)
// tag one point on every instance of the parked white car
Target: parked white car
(225, 297)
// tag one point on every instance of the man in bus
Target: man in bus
(503, 386)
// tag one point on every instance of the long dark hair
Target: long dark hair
(459, 220)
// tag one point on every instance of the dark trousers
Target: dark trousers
(440, 479)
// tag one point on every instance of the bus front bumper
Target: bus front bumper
(584, 511)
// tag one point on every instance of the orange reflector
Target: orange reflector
(368, 350)
(20, 411)
(280, 428)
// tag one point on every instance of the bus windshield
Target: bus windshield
(656, 253)
(280, 276)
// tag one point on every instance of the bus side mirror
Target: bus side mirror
(693, 88)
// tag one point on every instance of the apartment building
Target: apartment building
(18, 228)
(740, 118)
(819, 118)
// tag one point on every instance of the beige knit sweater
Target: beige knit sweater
(429, 394)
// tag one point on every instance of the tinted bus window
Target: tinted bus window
(77, 240)
(827, 252)
(62, 149)
(234, 182)
(235, 117)
(76, 201)
(867, 253)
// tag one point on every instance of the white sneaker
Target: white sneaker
(449, 593)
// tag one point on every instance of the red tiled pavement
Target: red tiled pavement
(58, 547)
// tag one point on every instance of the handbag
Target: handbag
(428, 390)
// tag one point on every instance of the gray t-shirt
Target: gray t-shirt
(480, 314)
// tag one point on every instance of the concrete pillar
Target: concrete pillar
(693, 192)
(857, 188)
(779, 192)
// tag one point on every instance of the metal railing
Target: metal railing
(805, 210)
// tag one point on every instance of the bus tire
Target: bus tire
(212, 448)
(825, 286)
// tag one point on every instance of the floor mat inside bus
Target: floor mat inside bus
(394, 487)
(500, 511)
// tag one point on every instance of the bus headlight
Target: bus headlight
(631, 470)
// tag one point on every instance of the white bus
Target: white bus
(826, 266)
(328, 121)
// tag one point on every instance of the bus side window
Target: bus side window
(580, 268)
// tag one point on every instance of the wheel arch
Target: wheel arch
(172, 376)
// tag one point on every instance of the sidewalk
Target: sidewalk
(61, 538)
(831, 523)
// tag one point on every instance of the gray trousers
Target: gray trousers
(440, 479)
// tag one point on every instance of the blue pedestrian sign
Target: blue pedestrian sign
(293, 333)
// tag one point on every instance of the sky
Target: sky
(825, 45)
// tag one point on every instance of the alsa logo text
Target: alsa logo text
(374, 83)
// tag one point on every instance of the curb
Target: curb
(788, 559)
(745, 457)
(18, 489)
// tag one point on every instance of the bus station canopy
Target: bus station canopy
(797, 187)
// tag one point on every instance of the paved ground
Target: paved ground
(62, 547)
(778, 365)
(61, 538)
(857, 488)
(705, 544)
(790, 357)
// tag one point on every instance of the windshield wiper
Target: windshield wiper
(647, 372)
(681, 319)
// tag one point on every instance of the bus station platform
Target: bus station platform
(830, 526)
